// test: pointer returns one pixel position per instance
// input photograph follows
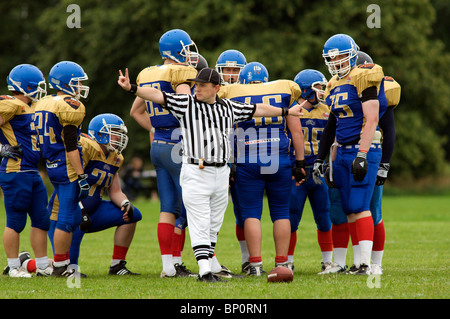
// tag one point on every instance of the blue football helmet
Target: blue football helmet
(110, 130)
(340, 44)
(177, 45)
(307, 80)
(29, 80)
(254, 72)
(363, 58)
(230, 59)
(66, 76)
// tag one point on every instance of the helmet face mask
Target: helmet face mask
(340, 53)
(229, 65)
(178, 46)
(66, 76)
(109, 130)
(312, 84)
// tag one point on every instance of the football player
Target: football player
(102, 159)
(180, 57)
(353, 94)
(262, 162)
(229, 64)
(23, 188)
(392, 92)
(312, 84)
(58, 121)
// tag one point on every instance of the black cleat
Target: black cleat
(210, 277)
(62, 271)
(182, 271)
(120, 269)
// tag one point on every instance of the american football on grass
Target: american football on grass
(280, 274)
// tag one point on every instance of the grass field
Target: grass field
(416, 262)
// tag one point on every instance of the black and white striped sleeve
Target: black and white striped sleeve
(177, 104)
(242, 111)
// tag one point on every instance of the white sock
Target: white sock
(114, 262)
(244, 251)
(377, 256)
(168, 267)
(42, 262)
(176, 260)
(13, 263)
(291, 259)
(340, 254)
(365, 247)
(356, 255)
(203, 267)
(327, 256)
(215, 265)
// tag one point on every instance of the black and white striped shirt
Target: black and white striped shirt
(205, 128)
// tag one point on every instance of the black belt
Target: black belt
(197, 162)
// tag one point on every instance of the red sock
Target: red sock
(281, 259)
(119, 252)
(341, 235)
(325, 240)
(364, 228)
(165, 238)
(292, 243)
(240, 233)
(379, 237)
(60, 257)
(352, 230)
(255, 260)
(176, 245)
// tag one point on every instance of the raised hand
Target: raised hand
(124, 81)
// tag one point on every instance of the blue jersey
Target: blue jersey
(262, 136)
(343, 95)
(313, 122)
(101, 170)
(18, 128)
(52, 114)
(165, 78)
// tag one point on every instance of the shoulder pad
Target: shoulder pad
(366, 66)
(7, 97)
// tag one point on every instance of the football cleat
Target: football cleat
(256, 271)
(353, 270)
(364, 270)
(332, 268)
(23, 256)
(62, 271)
(120, 269)
(226, 273)
(44, 272)
(376, 269)
(210, 277)
(245, 267)
(19, 273)
(182, 271)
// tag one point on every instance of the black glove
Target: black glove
(328, 178)
(12, 152)
(359, 166)
(84, 186)
(382, 173)
(128, 208)
(297, 171)
(317, 172)
(86, 222)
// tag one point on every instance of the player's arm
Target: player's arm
(370, 109)
(295, 127)
(139, 113)
(120, 199)
(70, 142)
(266, 110)
(183, 88)
(146, 93)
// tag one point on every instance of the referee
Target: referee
(206, 122)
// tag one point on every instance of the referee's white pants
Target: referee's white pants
(205, 197)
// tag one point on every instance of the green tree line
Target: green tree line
(285, 35)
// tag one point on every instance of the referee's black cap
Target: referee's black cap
(207, 75)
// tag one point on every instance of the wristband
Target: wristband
(133, 89)
(82, 176)
(284, 111)
(362, 154)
